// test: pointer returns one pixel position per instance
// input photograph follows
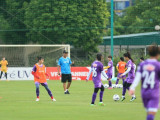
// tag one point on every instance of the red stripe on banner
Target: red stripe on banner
(78, 73)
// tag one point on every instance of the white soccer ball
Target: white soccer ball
(116, 97)
(106, 85)
(119, 86)
(157, 27)
(113, 85)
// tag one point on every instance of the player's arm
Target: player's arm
(135, 83)
(127, 71)
(136, 80)
(46, 73)
(34, 72)
(117, 67)
(104, 74)
(59, 66)
(106, 67)
(89, 74)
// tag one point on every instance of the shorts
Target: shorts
(109, 75)
(4, 70)
(126, 84)
(118, 76)
(151, 104)
(66, 78)
(130, 79)
(98, 85)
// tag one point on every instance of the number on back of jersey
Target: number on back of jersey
(149, 79)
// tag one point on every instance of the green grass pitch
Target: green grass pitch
(18, 103)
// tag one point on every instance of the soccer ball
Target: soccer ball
(106, 85)
(157, 27)
(113, 85)
(119, 86)
(116, 97)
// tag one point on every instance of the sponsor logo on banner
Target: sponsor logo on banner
(78, 73)
(19, 73)
(24, 73)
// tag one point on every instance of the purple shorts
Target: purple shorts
(98, 85)
(129, 79)
(151, 104)
(38, 83)
(109, 75)
(118, 76)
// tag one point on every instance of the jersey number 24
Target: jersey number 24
(149, 79)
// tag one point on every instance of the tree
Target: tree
(78, 22)
(12, 25)
(142, 17)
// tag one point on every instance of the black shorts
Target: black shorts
(66, 78)
(127, 85)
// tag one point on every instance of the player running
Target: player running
(96, 70)
(121, 66)
(40, 74)
(109, 71)
(4, 65)
(149, 74)
(131, 75)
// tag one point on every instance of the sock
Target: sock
(94, 97)
(133, 96)
(117, 81)
(150, 117)
(124, 91)
(123, 81)
(51, 97)
(101, 96)
(6, 75)
(48, 90)
(123, 96)
(37, 92)
(1, 75)
(110, 83)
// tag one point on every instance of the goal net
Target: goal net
(25, 55)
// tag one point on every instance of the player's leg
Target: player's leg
(48, 90)
(151, 115)
(117, 81)
(123, 80)
(124, 91)
(118, 77)
(1, 74)
(37, 90)
(152, 108)
(63, 80)
(109, 81)
(69, 78)
(133, 96)
(101, 96)
(94, 95)
(6, 74)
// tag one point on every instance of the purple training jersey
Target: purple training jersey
(110, 63)
(97, 68)
(150, 76)
(131, 74)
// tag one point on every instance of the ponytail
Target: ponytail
(129, 56)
